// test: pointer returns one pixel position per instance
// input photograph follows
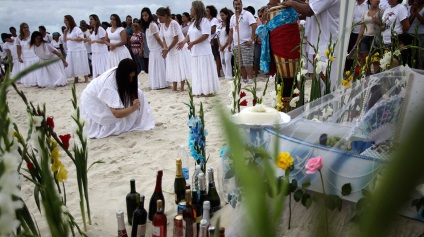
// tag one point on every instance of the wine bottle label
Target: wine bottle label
(141, 230)
(122, 233)
(158, 231)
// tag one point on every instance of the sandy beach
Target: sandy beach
(130, 155)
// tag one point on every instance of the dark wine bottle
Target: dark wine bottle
(222, 232)
(213, 196)
(157, 195)
(139, 220)
(179, 183)
(189, 216)
(159, 221)
(133, 199)
(203, 196)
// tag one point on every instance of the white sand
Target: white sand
(130, 155)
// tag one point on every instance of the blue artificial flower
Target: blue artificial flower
(224, 151)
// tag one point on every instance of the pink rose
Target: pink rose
(314, 165)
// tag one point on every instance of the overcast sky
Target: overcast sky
(50, 13)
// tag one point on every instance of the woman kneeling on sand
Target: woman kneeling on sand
(113, 104)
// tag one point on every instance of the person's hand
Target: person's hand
(65, 63)
(287, 3)
(249, 43)
(91, 42)
(221, 48)
(180, 45)
(229, 47)
(112, 47)
(136, 104)
(190, 45)
(164, 53)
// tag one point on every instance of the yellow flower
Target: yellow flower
(327, 52)
(62, 175)
(284, 160)
(331, 58)
(347, 73)
(346, 83)
(350, 78)
(377, 54)
(375, 59)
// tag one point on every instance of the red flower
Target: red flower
(65, 139)
(50, 122)
(30, 166)
(243, 103)
(357, 70)
(242, 94)
(254, 102)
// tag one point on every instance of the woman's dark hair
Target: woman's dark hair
(71, 22)
(163, 11)
(145, 24)
(186, 14)
(179, 19)
(212, 10)
(127, 89)
(98, 24)
(117, 19)
(227, 22)
(34, 35)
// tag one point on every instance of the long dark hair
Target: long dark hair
(127, 89)
(145, 24)
(227, 22)
(98, 24)
(199, 8)
(33, 36)
(71, 21)
(117, 19)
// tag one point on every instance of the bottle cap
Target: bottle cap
(178, 161)
(159, 203)
(142, 198)
(206, 205)
(120, 213)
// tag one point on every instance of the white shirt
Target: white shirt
(12, 48)
(204, 47)
(75, 45)
(223, 37)
(327, 13)
(214, 22)
(358, 12)
(151, 41)
(390, 15)
(246, 20)
(384, 4)
(87, 44)
(97, 47)
(48, 38)
(168, 33)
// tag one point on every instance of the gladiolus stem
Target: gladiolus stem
(325, 208)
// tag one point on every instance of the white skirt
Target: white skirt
(15, 68)
(204, 75)
(157, 73)
(115, 57)
(53, 75)
(77, 63)
(99, 63)
(31, 78)
(178, 66)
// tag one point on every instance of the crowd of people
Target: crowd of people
(196, 46)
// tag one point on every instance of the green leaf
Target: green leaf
(306, 200)
(96, 162)
(37, 197)
(306, 184)
(346, 189)
(298, 195)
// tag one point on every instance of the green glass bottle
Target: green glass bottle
(132, 200)
(213, 196)
(179, 183)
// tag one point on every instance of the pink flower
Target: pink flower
(314, 165)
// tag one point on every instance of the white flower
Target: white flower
(36, 121)
(294, 101)
(296, 91)
(396, 52)
(321, 66)
(301, 73)
(317, 56)
(259, 108)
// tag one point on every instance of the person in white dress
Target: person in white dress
(224, 47)
(116, 39)
(157, 73)
(203, 68)
(177, 61)
(98, 47)
(76, 53)
(211, 14)
(53, 74)
(26, 56)
(113, 104)
(10, 48)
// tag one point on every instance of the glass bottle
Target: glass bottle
(182, 154)
(195, 179)
(189, 216)
(179, 183)
(132, 200)
(122, 232)
(139, 220)
(213, 196)
(211, 231)
(203, 196)
(203, 232)
(157, 194)
(222, 232)
(159, 221)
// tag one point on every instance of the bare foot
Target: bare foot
(76, 80)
